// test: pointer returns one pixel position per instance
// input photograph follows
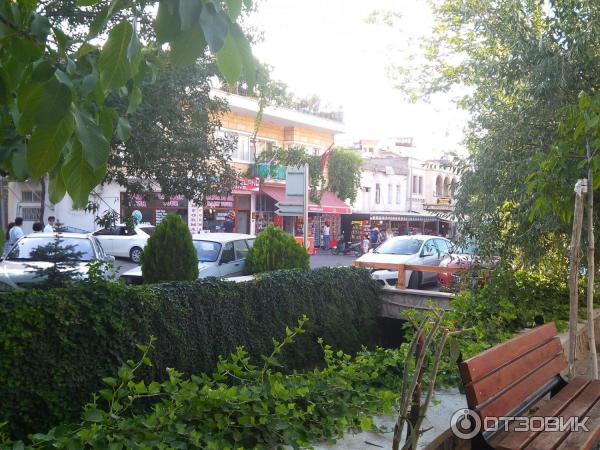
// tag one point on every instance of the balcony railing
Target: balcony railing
(264, 170)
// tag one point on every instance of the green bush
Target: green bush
(170, 254)
(57, 344)
(273, 250)
(240, 405)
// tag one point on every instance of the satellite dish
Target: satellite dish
(136, 216)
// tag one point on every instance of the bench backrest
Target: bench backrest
(501, 381)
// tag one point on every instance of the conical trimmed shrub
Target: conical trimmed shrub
(274, 250)
(170, 254)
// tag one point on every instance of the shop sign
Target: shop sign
(194, 218)
(444, 201)
(157, 201)
(217, 201)
(247, 184)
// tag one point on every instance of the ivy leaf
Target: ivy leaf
(229, 61)
(46, 145)
(189, 12)
(87, 2)
(113, 64)
(95, 147)
(93, 415)
(214, 26)
(187, 47)
(235, 8)
(167, 24)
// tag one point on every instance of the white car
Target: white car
(417, 249)
(120, 241)
(18, 268)
(219, 255)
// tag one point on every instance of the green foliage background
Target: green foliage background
(57, 344)
(170, 254)
(344, 170)
(275, 249)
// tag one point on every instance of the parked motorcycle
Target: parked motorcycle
(347, 248)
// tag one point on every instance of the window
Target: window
(429, 249)
(250, 243)
(241, 249)
(377, 194)
(31, 196)
(228, 254)
(113, 231)
(207, 251)
(243, 151)
(31, 213)
(443, 245)
(415, 185)
(389, 194)
(30, 248)
(398, 194)
(420, 185)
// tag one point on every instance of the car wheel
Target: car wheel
(135, 254)
(414, 282)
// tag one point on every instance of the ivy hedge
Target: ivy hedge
(56, 345)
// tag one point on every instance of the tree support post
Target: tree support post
(580, 188)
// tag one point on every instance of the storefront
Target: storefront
(154, 209)
(400, 224)
(239, 203)
(330, 211)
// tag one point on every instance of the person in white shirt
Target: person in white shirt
(49, 228)
(365, 244)
(16, 232)
(326, 236)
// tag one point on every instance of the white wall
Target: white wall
(365, 201)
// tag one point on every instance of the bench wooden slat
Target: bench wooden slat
(512, 396)
(583, 440)
(482, 364)
(499, 379)
(505, 440)
(548, 440)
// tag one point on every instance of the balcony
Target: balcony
(269, 171)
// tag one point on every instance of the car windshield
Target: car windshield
(467, 249)
(400, 247)
(207, 251)
(44, 249)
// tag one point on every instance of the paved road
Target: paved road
(320, 260)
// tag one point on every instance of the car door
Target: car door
(241, 251)
(430, 257)
(106, 238)
(228, 266)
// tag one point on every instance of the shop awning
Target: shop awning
(405, 217)
(330, 203)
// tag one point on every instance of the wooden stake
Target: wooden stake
(591, 269)
(573, 268)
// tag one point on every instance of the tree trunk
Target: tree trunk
(591, 269)
(42, 201)
(573, 266)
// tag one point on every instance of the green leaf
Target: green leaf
(83, 50)
(229, 61)
(215, 26)
(189, 12)
(95, 146)
(93, 415)
(56, 186)
(87, 2)
(54, 104)
(113, 64)
(46, 145)
(248, 61)
(167, 24)
(28, 99)
(79, 177)
(19, 163)
(18, 446)
(235, 8)
(135, 98)
(187, 47)
(366, 423)
(123, 129)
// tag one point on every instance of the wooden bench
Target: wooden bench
(515, 378)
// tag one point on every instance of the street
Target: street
(319, 260)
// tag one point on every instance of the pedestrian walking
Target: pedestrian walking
(326, 236)
(229, 224)
(16, 232)
(365, 244)
(49, 228)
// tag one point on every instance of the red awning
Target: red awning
(330, 203)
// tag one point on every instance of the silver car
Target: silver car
(18, 269)
(418, 249)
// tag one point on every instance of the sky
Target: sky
(327, 48)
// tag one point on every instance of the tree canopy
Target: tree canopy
(523, 65)
(56, 82)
